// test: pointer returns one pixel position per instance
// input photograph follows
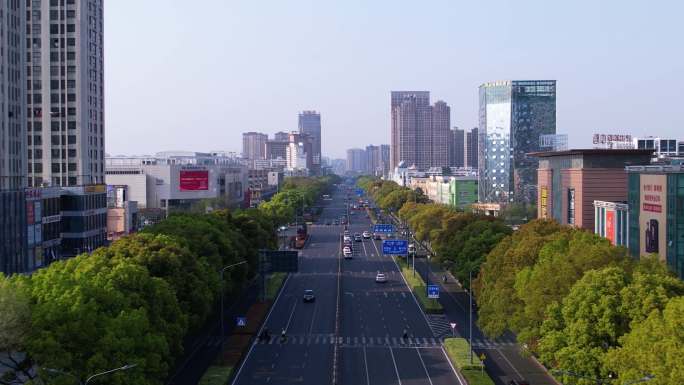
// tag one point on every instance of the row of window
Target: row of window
(55, 152)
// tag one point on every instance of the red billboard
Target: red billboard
(194, 180)
(610, 226)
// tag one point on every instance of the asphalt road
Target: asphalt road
(353, 331)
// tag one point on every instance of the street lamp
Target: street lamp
(470, 310)
(222, 296)
(87, 381)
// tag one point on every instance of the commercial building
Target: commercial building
(612, 221)
(254, 145)
(456, 191)
(456, 147)
(656, 213)
(122, 213)
(570, 181)
(65, 58)
(513, 115)
(310, 124)
(419, 131)
(177, 180)
(663, 148)
(276, 149)
(472, 149)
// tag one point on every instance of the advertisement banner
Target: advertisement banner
(544, 202)
(652, 215)
(610, 226)
(193, 180)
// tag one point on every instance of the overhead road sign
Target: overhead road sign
(433, 291)
(394, 247)
(383, 228)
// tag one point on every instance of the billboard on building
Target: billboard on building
(610, 225)
(193, 180)
(652, 214)
(544, 202)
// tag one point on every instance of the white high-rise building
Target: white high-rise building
(65, 59)
(12, 95)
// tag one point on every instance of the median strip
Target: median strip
(419, 288)
(458, 351)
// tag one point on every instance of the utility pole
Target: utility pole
(222, 295)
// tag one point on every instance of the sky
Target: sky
(180, 76)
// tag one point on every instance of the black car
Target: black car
(309, 295)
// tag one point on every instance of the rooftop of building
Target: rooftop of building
(592, 151)
(657, 169)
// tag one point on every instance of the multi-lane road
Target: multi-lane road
(353, 333)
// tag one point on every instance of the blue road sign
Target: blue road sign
(241, 321)
(394, 247)
(383, 228)
(359, 191)
(433, 291)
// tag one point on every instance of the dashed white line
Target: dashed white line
(396, 370)
(424, 367)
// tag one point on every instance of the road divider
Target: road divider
(419, 289)
(458, 351)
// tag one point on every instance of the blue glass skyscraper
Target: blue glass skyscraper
(513, 115)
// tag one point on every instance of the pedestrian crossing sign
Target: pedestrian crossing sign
(241, 321)
(482, 357)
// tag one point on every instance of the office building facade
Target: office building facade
(356, 160)
(513, 115)
(65, 61)
(254, 145)
(472, 149)
(310, 124)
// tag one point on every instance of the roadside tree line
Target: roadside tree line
(584, 307)
(135, 301)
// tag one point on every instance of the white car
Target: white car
(380, 278)
(347, 238)
(347, 253)
(366, 234)
(347, 249)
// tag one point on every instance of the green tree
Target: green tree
(653, 347)
(15, 326)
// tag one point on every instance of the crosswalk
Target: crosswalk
(363, 341)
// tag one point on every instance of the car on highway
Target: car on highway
(380, 278)
(348, 253)
(367, 234)
(347, 238)
(309, 295)
(346, 249)
(377, 236)
(336, 222)
(357, 237)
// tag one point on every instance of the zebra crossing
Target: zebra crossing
(363, 341)
(483, 343)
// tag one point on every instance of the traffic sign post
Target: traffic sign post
(394, 247)
(433, 291)
(241, 321)
(383, 228)
(453, 329)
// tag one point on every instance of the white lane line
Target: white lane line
(365, 363)
(313, 317)
(365, 253)
(242, 365)
(509, 363)
(287, 327)
(396, 370)
(456, 373)
(424, 367)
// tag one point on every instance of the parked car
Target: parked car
(380, 278)
(309, 295)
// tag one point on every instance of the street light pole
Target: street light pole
(470, 311)
(222, 296)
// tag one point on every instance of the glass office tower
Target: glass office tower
(513, 115)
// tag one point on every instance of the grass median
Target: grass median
(417, 285)
(458, 351)
(216, 375)
(273, 283)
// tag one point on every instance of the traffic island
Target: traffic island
(238, 343)
(471, 367)
(419, 289)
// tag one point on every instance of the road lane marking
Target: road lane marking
(509, 364)
(291, 314)
(456, 373)
(365, 364)
(396, 370)
(242, 365)
(424, 367)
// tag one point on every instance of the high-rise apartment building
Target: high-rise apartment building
(275, 149)
(12, 95)
(456, 147)
(513, 116)
(356, 160)
(385, 159)
(471, 148)
(65, 63)
(419, 131)
(310, 124)
(373, 160)
(254, 145)
(281, 136)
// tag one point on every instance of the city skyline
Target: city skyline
(224, 81)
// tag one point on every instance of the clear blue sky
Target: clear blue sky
(184, 76)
